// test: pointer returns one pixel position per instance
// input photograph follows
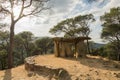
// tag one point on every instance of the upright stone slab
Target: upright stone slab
(56, 48)
(80, 49)
(68, 48)
(62, 49)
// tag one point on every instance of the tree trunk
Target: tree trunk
(88, 47)
(27, 49)
(118, 56)
(22, 57)
(11, 45)
(45, 50)
(1, 62)
(76, 54)
(25, 46)
(56, 49)
(2, 65)
(118, 47)
(28, 54)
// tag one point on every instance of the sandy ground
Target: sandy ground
(90, 68)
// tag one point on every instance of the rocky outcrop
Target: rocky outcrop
(51, 73)
(29, 64)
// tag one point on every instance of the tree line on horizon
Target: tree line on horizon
(25, 45)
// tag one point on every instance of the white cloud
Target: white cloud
(62, 6)
(64, 9)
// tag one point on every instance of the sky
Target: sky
(63, 9)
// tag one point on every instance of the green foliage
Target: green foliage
(111, 25)
(26, 41)
(45, 44)
(111, 51)
(99, 51)
(102, 52)
(108, 51)
(111, 30)
(3, 52)
(25, 45)
(74, 27)
(26, 35)
(4, 42)
(67, 26)
(4, 38)
(23, 5)
(3, 56)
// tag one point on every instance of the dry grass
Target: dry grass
(90, 68)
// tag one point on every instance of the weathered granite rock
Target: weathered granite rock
(52, 73)
(29, 64)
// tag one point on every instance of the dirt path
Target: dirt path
(91, 68)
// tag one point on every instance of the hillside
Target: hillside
(90, 68)
(96, 45)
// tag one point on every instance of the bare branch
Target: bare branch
(12, 13)
(11, 3)
(28, 4)
(4, 10)
(33, 12)
(21, 11)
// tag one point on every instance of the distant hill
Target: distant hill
(36, 38)
(97, 45)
